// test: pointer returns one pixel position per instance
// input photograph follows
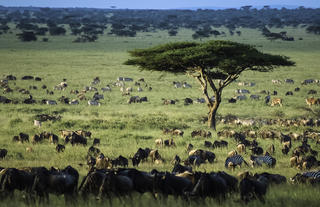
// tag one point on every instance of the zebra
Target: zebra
(234, 161)
(306, 177)
(259, 160)
(312, 174)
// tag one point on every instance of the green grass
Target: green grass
(124, 128)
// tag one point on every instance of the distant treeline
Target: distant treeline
(87, 24)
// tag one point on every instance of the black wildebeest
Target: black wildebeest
(60, 182)
(3, 153)
(14, 179)
(251, 189)
(60, 148)
(91, 183)
(140, 155)
(115, 184)
(169, 184)
(210, 185)
(120, 161)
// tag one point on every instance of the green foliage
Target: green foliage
(218, 56)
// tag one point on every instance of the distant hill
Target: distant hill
(254, 6)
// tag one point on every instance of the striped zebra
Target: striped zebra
(306, 177)
(259, 160)
(234, 161)
(312, 174)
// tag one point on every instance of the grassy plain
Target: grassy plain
(124, 128)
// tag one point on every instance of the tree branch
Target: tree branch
(204, 84)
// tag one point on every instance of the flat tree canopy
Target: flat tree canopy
(208, 61)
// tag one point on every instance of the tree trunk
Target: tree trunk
(212, 113)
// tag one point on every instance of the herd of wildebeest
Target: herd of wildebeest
(111, 177)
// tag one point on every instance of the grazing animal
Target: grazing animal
(83, 133)
(259, 160)
(276, 101)
(95, 142)
(188, 101)
(202, 133)
(189, 147)
(169, 184)
(311, 177)
(93, 103)
(169, 143)
(232, 100)
(37, 123)
(285, 150)
(159, 142)
(234, 161)
(241, 148)
(176, 132)
(312, 101)
(60, 148)
(257, 150)
(140, 155)
(252, 189)
(289, 93)
(271, 149)
(207, 144)
(312, 92)
(120, 161)
(3, 153)
(210, 185)
(103, 162)
(29, 149)
(295, 161)
(232, 153)
(219, 144)
(154, 155)
(178, 168)
(176, 160)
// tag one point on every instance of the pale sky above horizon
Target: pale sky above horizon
(160, 4)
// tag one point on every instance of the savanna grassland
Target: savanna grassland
(123, 128)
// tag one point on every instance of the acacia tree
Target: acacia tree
(215, 64)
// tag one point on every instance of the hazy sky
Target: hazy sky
(156, 4)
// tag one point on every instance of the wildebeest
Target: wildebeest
(202, 133)
(289, 93)
(251, 189)
(219, 144)
(83, 133)
(114, 184)
(140, 155)
(120, 161)
(95, 142)
(14, 179)
(59, 182)
(60, 148)
(169, 184)
(91, 183)
(257, 150)
(3, 153)
(210, 185)
(21, 138)
(272, 178)
(188, 101)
